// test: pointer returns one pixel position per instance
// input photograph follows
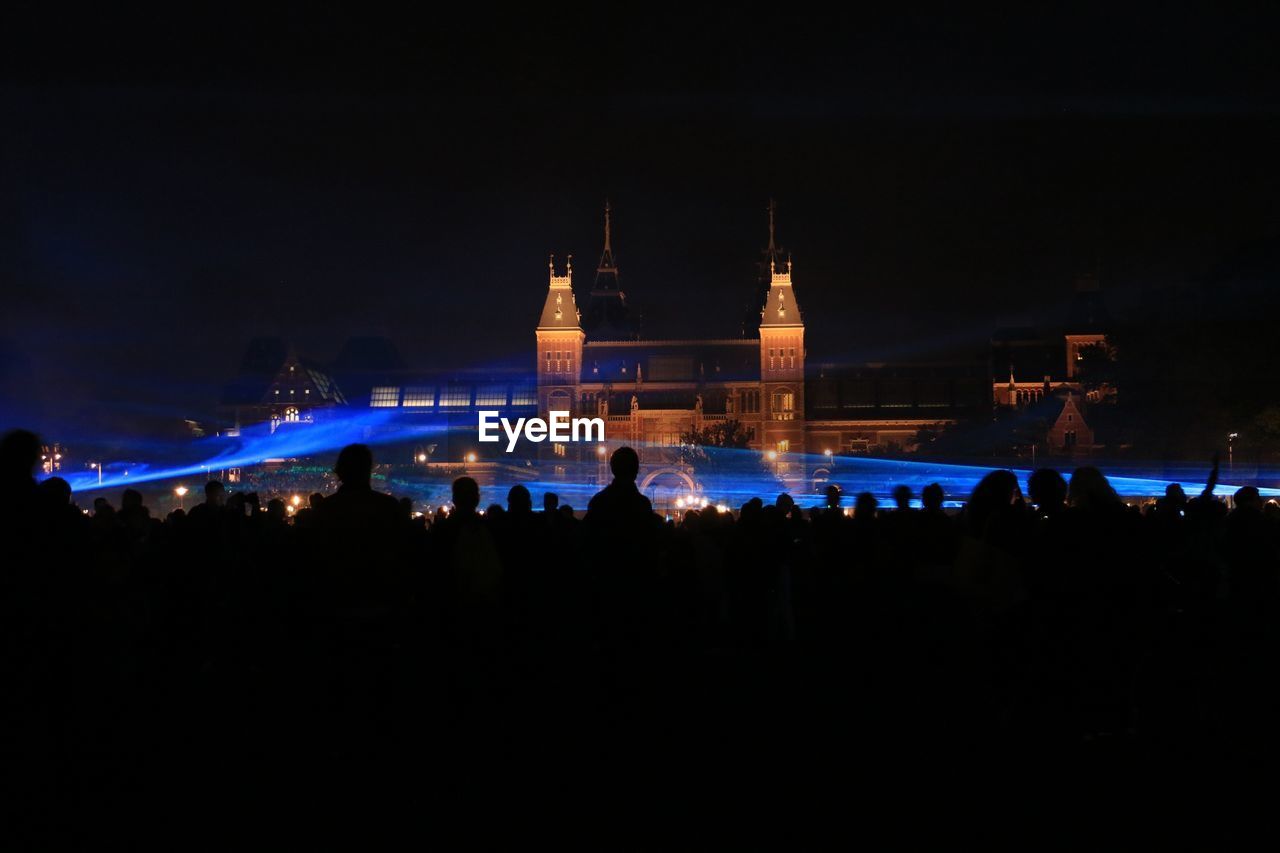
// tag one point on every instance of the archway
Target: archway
(664, 486)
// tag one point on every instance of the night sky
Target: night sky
(173, 186)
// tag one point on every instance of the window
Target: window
(793, 357)
(291, 413)
(750, 402)
(559, 449)
(523, 395)
(420, 396)
(784, 445)
(456, 396)
(384, 397)
(491, 395)
(783, 406)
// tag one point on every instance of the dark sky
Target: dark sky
(171, 186)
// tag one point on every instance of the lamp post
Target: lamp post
(772, 456)
(1231, 440)
(181, 492)
(97, 465)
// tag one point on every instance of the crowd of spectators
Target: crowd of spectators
(521, 653)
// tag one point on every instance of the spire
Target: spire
(771, 260)
(607, 264)
(608, 247)
(606, 316)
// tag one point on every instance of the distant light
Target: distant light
(680, 503)
(601, 449)
(295, 500)
(827, 453)
(181, 491)
(471, 457)
(772, 455)
(422, 457)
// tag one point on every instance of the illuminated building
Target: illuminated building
(650, 391)
(274, 385)
(798, 411)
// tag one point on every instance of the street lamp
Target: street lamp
(772, 456)
(1231, 439)
(97, 465)
(181, 492)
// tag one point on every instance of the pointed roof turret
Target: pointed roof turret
(560, 311)
(780, 306)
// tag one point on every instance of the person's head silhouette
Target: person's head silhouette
(1047, 488)
(625, 464)
(355, 465)
(550, 501)
(19, 453)
(931, 497)
(466, 495)
(519, 500)
(833, 496)
(215, 494)
(1248, 497)
(902, 496)
(57, 491)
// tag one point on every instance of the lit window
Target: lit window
(523, 395)
(455, 397)
(384, 397)
(291, 413)
(784, 405)
(420, 396)
(784, 445)
(491, 395)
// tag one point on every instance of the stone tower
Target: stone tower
(560, 339)
(782, 369)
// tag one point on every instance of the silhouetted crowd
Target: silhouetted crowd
(522, 655)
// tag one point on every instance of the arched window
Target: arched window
(291, 413)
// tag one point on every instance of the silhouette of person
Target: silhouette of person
(210, 510)
(1048, 491)
(19, 454)
(356, 509)
(620, 506)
